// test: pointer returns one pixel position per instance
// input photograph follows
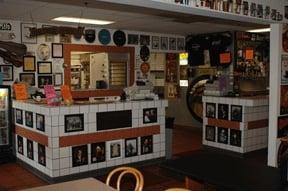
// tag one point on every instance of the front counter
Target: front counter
(238, 124)
(66, 140)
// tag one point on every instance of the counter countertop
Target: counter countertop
(245, 101)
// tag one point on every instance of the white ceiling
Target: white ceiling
(127, 19)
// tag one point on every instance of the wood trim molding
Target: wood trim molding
(32, 135)
(72, 140)
(224, 123)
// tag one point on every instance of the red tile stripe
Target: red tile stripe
(224, 123)
(258, 124)
(32, 135)
(66, 141)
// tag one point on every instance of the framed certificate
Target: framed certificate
(44, 67)
(57, 50)
(29, 64)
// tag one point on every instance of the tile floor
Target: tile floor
(15, 177)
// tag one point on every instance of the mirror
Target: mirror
(93, 70)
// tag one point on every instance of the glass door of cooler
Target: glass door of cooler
(5, 118)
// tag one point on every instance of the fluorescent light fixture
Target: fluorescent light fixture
(82, 20)
(259, 30)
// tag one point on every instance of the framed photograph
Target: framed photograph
(25, 33)
(222, 136)
(29, 119)
(79, 155)
(20, 148)
(236, 113)
(28, 78)
(19, 116)
(267, 12)
(150, 115)
(235, 137)
(41, 154)
(284, 69)
(146, 144)
(29, 64)
(273, 14)
(98, 152)
(40, 122)
(58, 79)
(155, 42)
(245, 8)
(210, 110)
(57, 50)
(3, 119)
(164, 43)
(74, 122)
(223, 111)
(44, 67)
(253, 9)
(65, 38)
(44, 80)
(172, 43)
(7, 71)
(115, 149)
(30, 150)
(282, 130)
(260, 11)
(144, 40)
(180, 44)
(133, 39)
(210, 133)
(284, 100)
(131, 147)
(49, 37)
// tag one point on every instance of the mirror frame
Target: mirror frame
(86, 93)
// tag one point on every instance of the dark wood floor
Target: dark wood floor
(15, 177)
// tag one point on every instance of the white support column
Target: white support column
(274, 95)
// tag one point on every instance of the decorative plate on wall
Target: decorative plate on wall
(104, 36)
(144, 53)
(90, 35)
(119, 38)
(43, 52)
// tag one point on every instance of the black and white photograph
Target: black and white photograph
(164, 43)
(44, 80)
(131, 147)
(144, 40)
(7, 71)
(267, 12)
(49, 37)
(253, 10)
(30, 150)
(79, 155)
(260, 11)
(29, 119)
(222, 135)
(235, 137)
(40, 122)
(98, 152)
(236, 113)
(245, 7)
(210, 110)
(133, 39)
(28, 78)
(146, 144)
(149, 115)
(3, 119)
(223, 111)
(155, 42)
(20, 148)
(74, 122)
(115, 149)
(19, 116)
(41, 154)
(172, 43)
(25, 33)
(210, 133)
(273, 14)
(180, 43)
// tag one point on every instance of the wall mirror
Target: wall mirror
(94, 70)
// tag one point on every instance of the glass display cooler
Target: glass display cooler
(5, 123)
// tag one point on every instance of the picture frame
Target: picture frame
(44, 67)
(29, 64)
(41, 154)
(19, 116)
(49, 37)
(172, 43)
(3, 119)
(223, 111)
(44, 80)
(146, 144)
(253, 9)
(40, 122)
(133, 39)
(57, 50)
(30, 150)
(282, 130)
(79, 155)
(28, 78)
(7, 71)
(210, 132)
(115, 149)
(267, 12)
(180, 44)
(74, 122)
(20, 148)
(245, 8)
(144, 40)
(149, 115)
(25, 33)
(283, 100)
(210, 110)
(222, 135)
(98, 152)
(260, 11)
(155, 42)
(236, 113)
(164, 43)
(29, 119)
(65, 38)
(235, 137)
(284, 69)
(131, 147)
(58, 79)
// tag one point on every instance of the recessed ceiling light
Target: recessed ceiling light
(82, 20)
(259, 30)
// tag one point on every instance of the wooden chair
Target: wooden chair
(177, 189)
(127, 170)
